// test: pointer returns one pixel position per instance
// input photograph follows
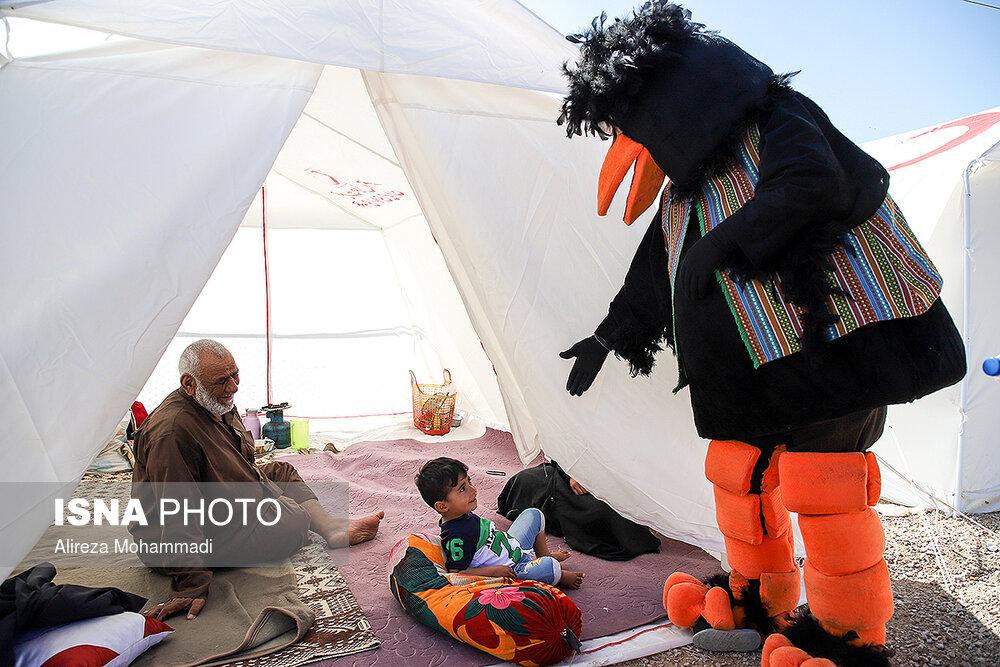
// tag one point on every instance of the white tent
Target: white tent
(947, 179)
(126, 171)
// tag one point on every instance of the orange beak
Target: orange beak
(646, 181)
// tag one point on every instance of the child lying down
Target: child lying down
(473, 545)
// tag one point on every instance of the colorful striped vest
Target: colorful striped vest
(886, 275)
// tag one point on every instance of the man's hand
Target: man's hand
(175, 606)
(577, 488)
(696, 274)
(590, 356)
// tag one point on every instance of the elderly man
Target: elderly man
(195, 442)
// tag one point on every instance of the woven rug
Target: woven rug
(615, 596)
(340, 627)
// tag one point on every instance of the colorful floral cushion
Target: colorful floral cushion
(519, 621)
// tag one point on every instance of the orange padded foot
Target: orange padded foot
(718, 609)
(685, 602)
(686, 599)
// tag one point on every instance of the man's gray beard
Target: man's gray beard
(207, 401)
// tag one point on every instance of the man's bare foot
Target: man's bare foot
(362, 530)
(561, 555)
(570, 579)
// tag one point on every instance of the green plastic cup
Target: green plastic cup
(300, 433)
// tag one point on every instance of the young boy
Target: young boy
(473, 545)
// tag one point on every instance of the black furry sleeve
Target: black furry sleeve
(639, 318)
(802, 187)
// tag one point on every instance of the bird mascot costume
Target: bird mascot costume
(798, 304)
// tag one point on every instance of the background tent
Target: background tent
(947, 179)
(126, 171)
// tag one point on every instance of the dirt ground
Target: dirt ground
(946, 587)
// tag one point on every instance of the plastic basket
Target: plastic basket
(433, 405)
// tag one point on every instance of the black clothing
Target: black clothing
(588, 524)
(30, 600)
(855, 432)
(814, 184)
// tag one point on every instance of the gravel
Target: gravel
(946, 586)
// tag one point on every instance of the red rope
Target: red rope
(622, 641)
(380, 414)
(267, 290)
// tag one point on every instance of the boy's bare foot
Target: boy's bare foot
(570, 579)
(362, 530)
(561, 555)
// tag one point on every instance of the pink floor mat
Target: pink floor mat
(615, 596)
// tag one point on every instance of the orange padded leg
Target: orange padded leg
(857, 601)
(846, 577)
(738, 516)
(759, 544)
(780, 591)
(729, 464)
(772, 508)
(815, 483)
(844, 543)
(771, 555)
(874, 479)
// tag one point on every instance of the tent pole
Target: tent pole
(966, 298)
(267, 294)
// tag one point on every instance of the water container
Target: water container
(277, 428)
(252, 423)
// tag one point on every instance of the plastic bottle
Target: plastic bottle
(992, 367)
(252, 423)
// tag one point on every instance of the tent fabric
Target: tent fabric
(421, 145)
(947, 179)
(482, 40)
(103, 258)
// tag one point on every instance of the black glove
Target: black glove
(696, 274)
(590, 356)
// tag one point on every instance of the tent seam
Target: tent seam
(148, 75)
(354, 141)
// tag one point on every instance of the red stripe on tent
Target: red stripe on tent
(974, 126)
(378, 414)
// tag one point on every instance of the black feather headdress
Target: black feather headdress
(615, 59)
